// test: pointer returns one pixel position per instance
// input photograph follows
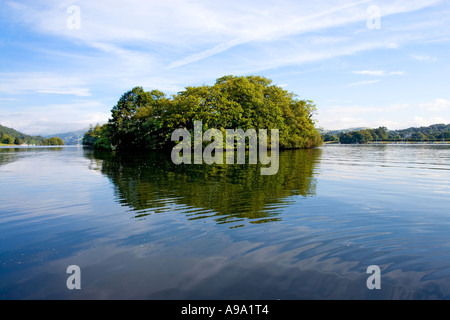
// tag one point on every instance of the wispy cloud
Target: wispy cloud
(363, 83)
(56, 118)
(196, 30)
(342, 116)
(423, 58)
(281, 28)
(393, 116)
(168, 45)
(437, 105)
(38, 82)
(378, 73)
(426, 121)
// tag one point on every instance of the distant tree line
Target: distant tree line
(436, 132)
(70, 138)
(146, 119)
(54, 141)
(10, 136)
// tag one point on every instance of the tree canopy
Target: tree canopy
(146, 119)
(97, 137)
(54, 141)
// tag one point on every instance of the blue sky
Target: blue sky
(64, 64)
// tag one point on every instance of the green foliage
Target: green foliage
(54, 141)
(18, 136)
(70, 138)
(6, 139)
(103, 144)
(146, 120)
(98, 137)
(436, 132)
(330, 138)
(137, 120)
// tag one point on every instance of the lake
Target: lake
(140, 227)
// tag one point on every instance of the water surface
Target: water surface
(140, 227)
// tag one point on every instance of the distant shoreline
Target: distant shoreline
(391, 143)
(13, 146)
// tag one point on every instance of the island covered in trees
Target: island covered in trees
(145, 120)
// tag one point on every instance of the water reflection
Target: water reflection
(11, 154)
(360, 206)
(150, 183)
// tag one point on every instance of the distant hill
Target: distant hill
(11, 136)
(6, 132)
(334, 132)
(70, 138)
(433, 132)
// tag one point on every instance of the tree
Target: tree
(98, 137)
(346, 138)
(363, 136)
(381, 133)
(145, 120)
(137, 119)
(6, 139)
(330, 138)
(92, 135)
(54, 141)
(418, 136)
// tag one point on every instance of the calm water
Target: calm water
(140, 227)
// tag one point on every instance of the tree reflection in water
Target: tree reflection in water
(150, 183)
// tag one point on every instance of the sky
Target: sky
(65, 64)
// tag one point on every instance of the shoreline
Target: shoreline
(389, 143)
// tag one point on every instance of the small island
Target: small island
(145, 120)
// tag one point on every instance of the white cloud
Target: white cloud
(392, 45)
(437, 105)
(399, 106)
(363, 83)
(423, 58)
(56, 118)
(39, 82)
(370, 72)
(378, 73)
(169, 44)
(82, 92)
(394, 116)
(336, 117)
(195, 30)
(424, 122)
(343, 123)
